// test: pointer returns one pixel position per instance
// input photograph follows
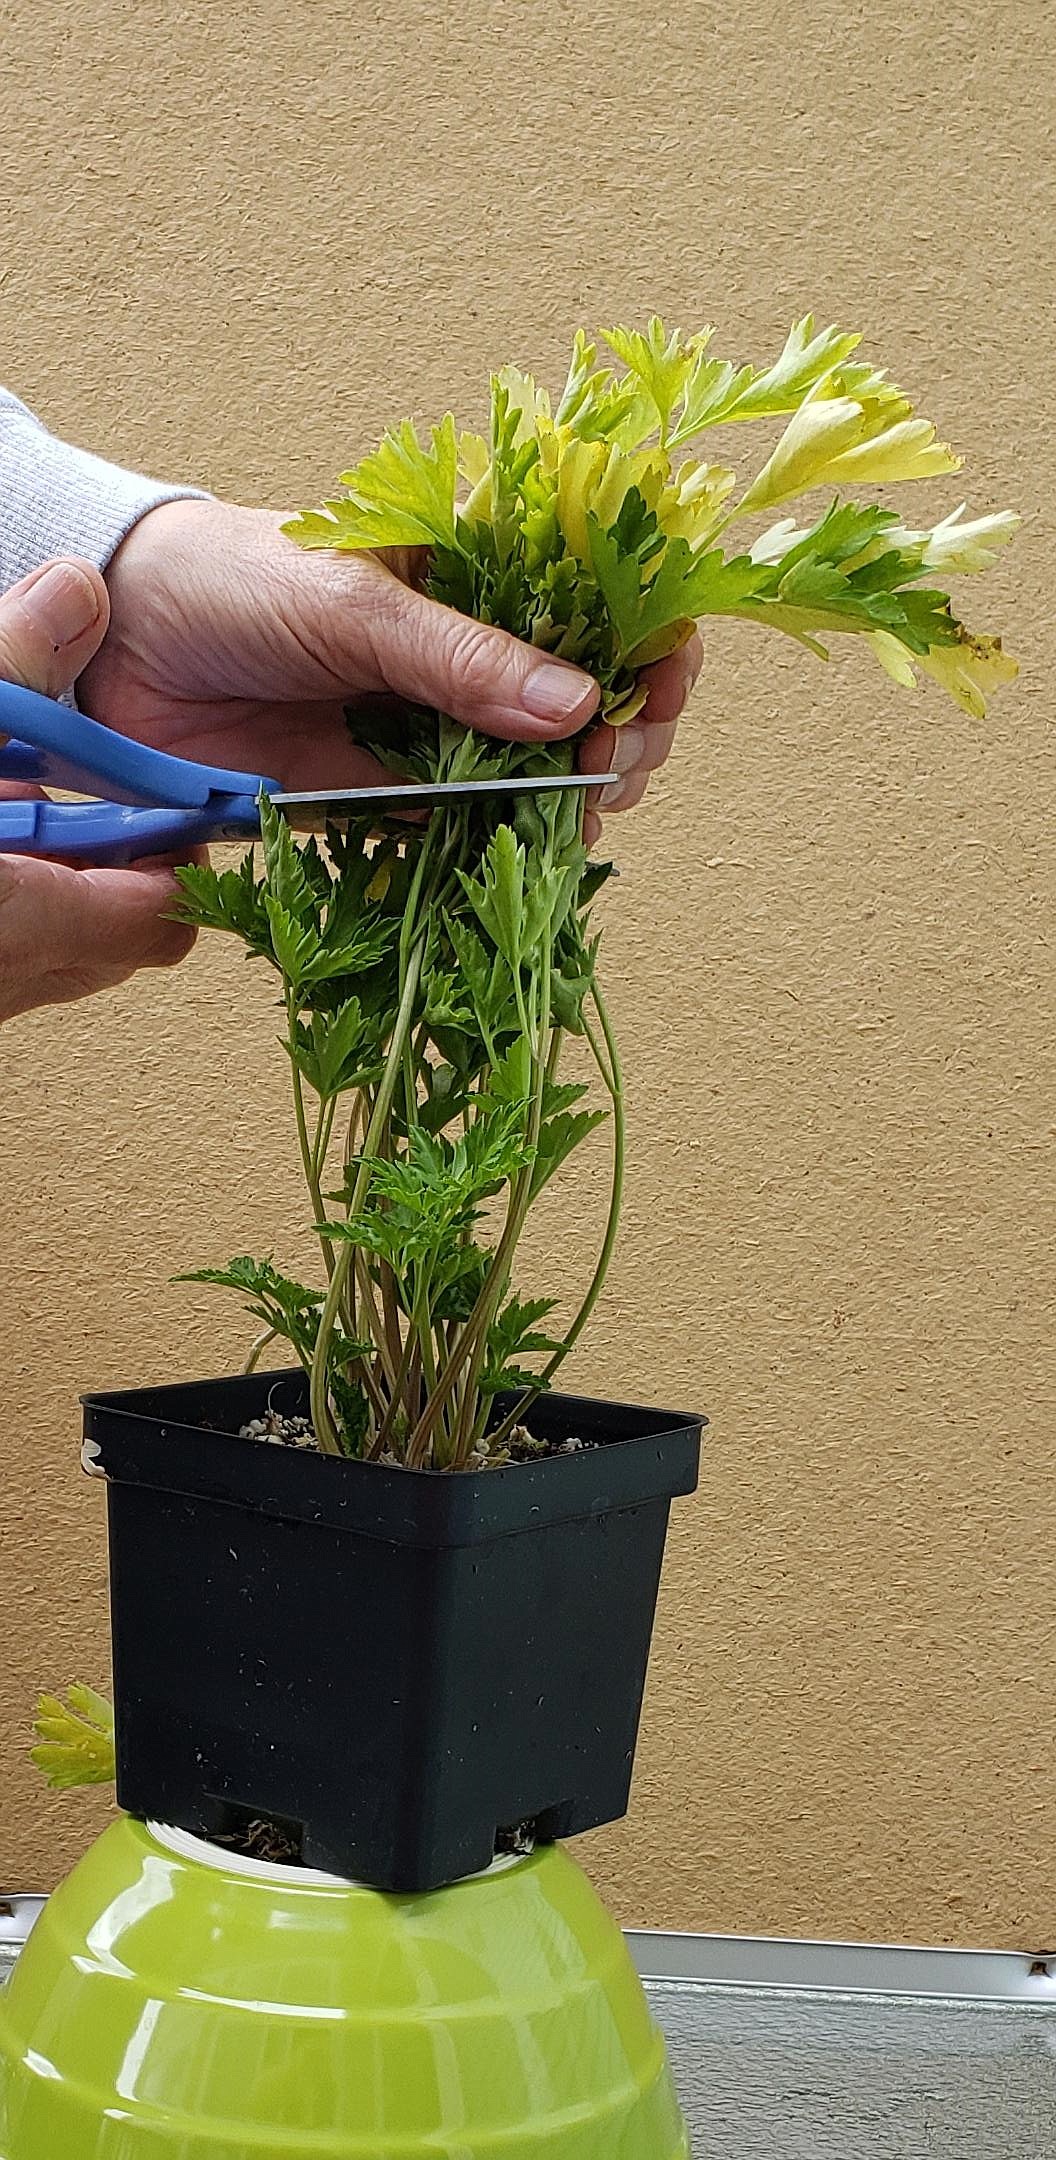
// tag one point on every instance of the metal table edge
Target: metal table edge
(790, 1964)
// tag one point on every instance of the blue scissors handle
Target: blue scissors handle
(63, 748)
(154, 803)
(115, 833)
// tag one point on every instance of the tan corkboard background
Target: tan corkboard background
(236, 241)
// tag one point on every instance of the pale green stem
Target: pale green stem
(269, 1335)
(384, 1432)
(324, 1133)
(494, 1283)
(325, 1429)
(371, 1311)
(308, 1152)
(612, 1076)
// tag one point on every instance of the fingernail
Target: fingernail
(628, 753)
(63, 602)
(558, 693)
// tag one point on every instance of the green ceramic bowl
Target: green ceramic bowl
(177, 2004)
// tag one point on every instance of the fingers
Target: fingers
(639, 747)
(65, 933)
(431, 655)
(670, 681)
(51, 623)
(644, 743)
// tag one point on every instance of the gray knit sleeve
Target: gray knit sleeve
(56, 500)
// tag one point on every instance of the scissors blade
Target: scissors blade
(334, 806)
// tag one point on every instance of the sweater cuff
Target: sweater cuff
(58, 500)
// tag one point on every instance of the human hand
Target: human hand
(643, 744)
(229, 644)
(65, 932)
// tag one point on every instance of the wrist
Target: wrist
(160, 527)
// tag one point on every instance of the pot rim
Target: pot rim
(186, 1845)
(170, 1440)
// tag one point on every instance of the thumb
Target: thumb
(431, 655)
(51, 623)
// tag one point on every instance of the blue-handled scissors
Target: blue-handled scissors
(157, 804)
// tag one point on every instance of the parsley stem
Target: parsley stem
(612, 1075)
(325, 1429)
(308, 1152)
(269, 1335)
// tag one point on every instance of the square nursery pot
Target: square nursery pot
(400, 1668)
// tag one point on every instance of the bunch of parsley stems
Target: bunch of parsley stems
(429, 1373)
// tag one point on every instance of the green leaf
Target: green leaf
(286, 874)
(515, 411)
(458, 1281)
(514, 1334)
(75, 1739)
(498, 901)
(422, 1202)
(594, 877)
(513, 1380)
(337, 1050)
(261, 1278)
(446, 1096)
(290, 1307)
(660, 364)
(353, 1409)
(487, 979)
(596, 407)
(317, 872)
(350, 950)
(385, 1234)
(712, 396)
(402, 495)
(509, 1083)
(808, 357)
(550, 895)
(574, 970)
(557, 1140)
(686, 585)
(229, 900)
(561, 1095)
(445, 1003)
(294, 943)
(843, 575)
(401, 737)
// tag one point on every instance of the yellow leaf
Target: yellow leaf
(832, 441)
(959, 549)
(473, 458)
(907, 451)
(968, 671)
(625, 706)
(526, 398)
(893, 658)
(579, 470)
(692, 507)
(645, 470)
(971, 669)
(661, 644)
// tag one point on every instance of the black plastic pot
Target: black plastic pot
(396, 1666)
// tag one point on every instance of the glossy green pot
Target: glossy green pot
(174, 2003)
